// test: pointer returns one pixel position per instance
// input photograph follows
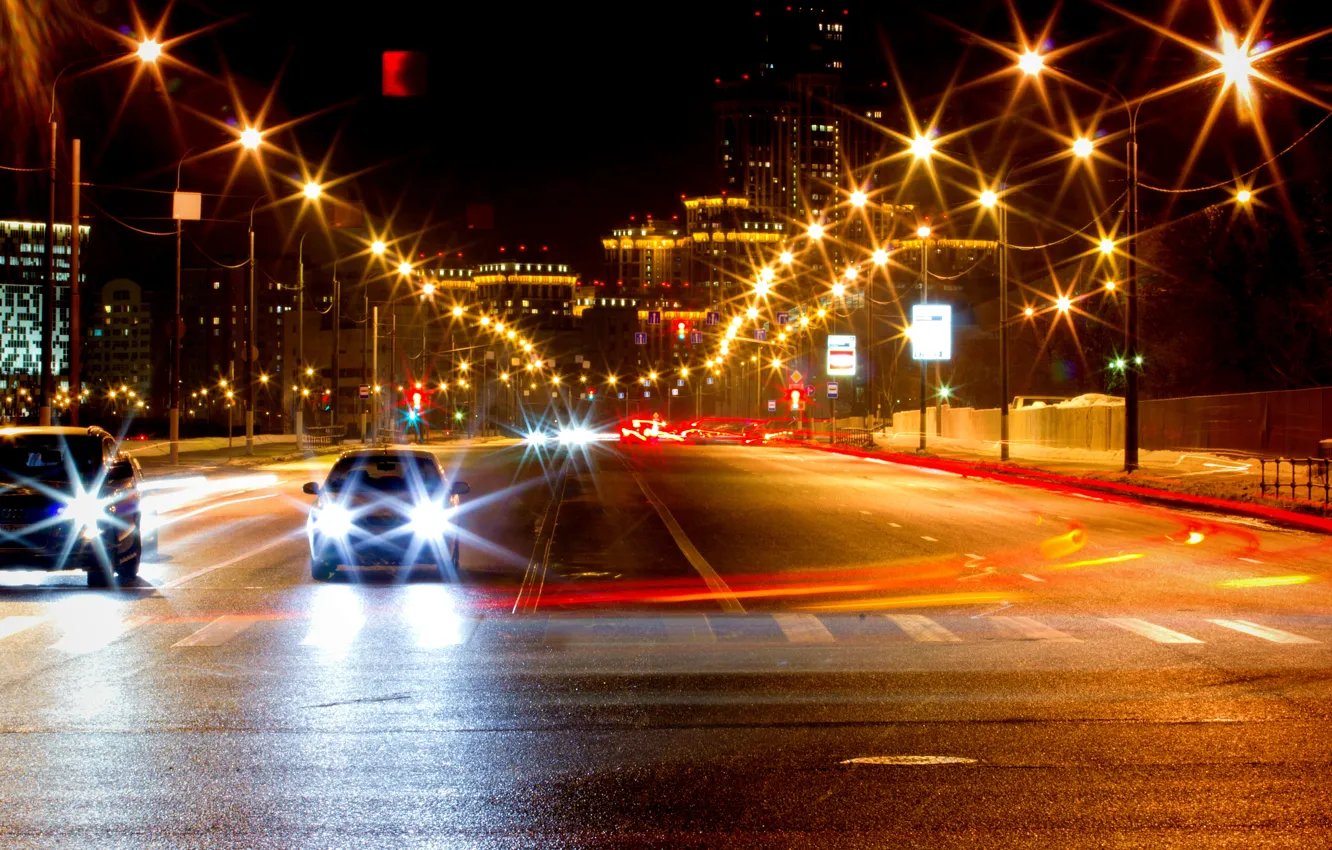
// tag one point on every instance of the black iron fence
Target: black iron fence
(856, 438)
(322, 436)
(1296, 478)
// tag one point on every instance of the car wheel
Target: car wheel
(321, 570)
(128, 569)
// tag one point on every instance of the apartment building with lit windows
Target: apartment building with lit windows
(22, 291)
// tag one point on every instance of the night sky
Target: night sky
(567, 119)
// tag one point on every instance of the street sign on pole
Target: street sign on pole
(783, 317)
(796, 378)
(654, 317)
(809, 390)
(832, 389)
(761, 334)
(931, 332)
(695, 337)
(841, 354)
(713, 318)
(186, 206)
(772, 405)
(364, 391)
(674, 391)
(640, 338)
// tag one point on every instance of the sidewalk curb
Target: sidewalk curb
(1127, 493)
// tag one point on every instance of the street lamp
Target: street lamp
(312, 190)
(786, 258)
(815, 231)
(1082, 147)
(1031, 63)
(405, 268)
(428, 288)
(922, 147)
(377, 247)
(149, 50)
(858, 198)
(250, 138)
(852, 273)
(1107, 246)
(1062, 303)
(988, 198)
(1243, 196)
(879, 257)
(838, 289)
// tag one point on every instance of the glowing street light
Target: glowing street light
(263, 379)
(1243, 196)
(1235, 63)
(428, 288)
(804, 321)
(149, 50)
(485, 321)
(684, 371)
(838, 290)
(752, 312)
(767, 275)
(852, 272)
(858, 198)
(652, 376)
(923, 232)
(1063, 304)
(879, 257)
(922, 147)
(1031, 63)
(988, 198)
(377, 247)
(1029, 312)
(250, 138)
(761, 289)
(405, 268)
(457, 312)
(786, 258)
(1110, 286)
(776, 362)
(1082, 147)
(1107, 246)
(815, 231)
(312, 190)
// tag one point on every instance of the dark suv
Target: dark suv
(69, 500)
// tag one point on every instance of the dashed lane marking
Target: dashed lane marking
(10, 626)
(1029, 629)
(218, 632)
(923, 629)
(1264, 632)
(803, 628)
(931, 539)
(1030, 577)
(1151, 631)
(1251, 560)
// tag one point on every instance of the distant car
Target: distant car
(641, 430)
(772, 429)
(383, 507)
(70, 500)
(706, 431)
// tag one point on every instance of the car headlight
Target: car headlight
(333, 520)
(536, 438)
(84, 512)
(429, 519)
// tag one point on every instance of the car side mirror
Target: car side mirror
(120, 471)
(459, 488)
(310, 489)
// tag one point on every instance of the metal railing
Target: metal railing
(322, 436)
(1315, 478)
(856, 438)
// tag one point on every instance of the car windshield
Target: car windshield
(385, 474)
(49, 458)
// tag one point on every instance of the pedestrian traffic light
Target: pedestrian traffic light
(591, 394)
(416, 401)
(324, 400)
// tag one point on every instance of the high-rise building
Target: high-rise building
(647, 254)
(536, 295)
(22, 283)
(118, 344)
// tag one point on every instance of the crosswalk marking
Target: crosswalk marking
(1264, 632)
(1151, 631)
(922, 628)
(688, 628)
(10, 626)
(1029, 629)
(218, 632)
(803, 628)
(81, 638)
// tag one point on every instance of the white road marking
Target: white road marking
(976, 557)
(725, 596)
(1251, 560)
(10, 626)
(931, 539)
(876, 460)
(1029, 629)
(909, 761)
(923, 629)
(803, 628)
(1030, 577)
(866, 513)
(688, 628)
(218, 632)
(96, 633)
(1151, 631)
(1264, 632)
(177, 582)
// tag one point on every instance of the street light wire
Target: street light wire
(15, 168)
(959, 274)
(198, 248)
(1074, 233)
(130, 226)
(1228, 184)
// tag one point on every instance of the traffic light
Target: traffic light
(324, 400)
(591, 394)
(416, 401)
(680, 329)
(795, 400)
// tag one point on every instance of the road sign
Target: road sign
(364, 391)
(796, 378)
(514, 361)
(647, 394)
(674, 391)
(761, 334)
(709, 380)
(640, 338)
(695, 337)
(679, 382)
(712, 318)
(772, 405)
(587, 364)
(654, 317)
(490, 355)
(783, 317)
(841, 354)
(809, 390)
(186, 206)
(931, 332)
(832, 389)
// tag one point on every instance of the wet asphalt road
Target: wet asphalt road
(685, 646)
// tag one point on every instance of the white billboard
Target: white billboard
(931, 332)
(841, 354)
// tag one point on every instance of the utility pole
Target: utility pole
(48, 299)
(1131, 356)
(374, 369)
(337, 332)
(1003, 330)
(75, 324)
(300, 335)
(365, 364)
(251, 346)
(924, 298)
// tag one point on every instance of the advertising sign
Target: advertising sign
(931, 332)
(841, 354)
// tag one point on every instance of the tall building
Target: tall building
(535, 295)
(118, 344)
(22, 281)
(642, 255)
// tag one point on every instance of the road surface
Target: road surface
(678, 647)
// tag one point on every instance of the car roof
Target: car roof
(53, 430)
(388, 451)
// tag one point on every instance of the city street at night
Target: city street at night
(684, 646)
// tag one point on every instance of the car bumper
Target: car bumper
(397, 547)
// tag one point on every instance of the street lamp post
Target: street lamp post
(251, 343)
(299, 418)
(924, 234)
